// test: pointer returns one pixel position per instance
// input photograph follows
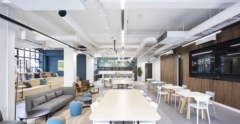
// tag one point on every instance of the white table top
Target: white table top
(155, 82)
(118, 78)
(122, 82)
(149, 79)
(172, 87)
(124, 105)
(192, 94)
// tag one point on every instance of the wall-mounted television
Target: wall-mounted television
(217, 62)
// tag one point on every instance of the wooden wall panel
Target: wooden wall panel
(227, 93)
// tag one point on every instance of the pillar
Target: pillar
(69, 66)
(90, 69)
(7, 65)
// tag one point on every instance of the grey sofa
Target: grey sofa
(10, 122)
(68, 95)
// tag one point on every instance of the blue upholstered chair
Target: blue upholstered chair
(151, 84)
(56, 120)
(102, 95)
(75, 108)
(144, 94)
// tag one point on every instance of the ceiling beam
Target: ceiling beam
(186, 4)
(119, 46)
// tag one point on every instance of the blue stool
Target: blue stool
(54, 121)
(87, 95)
(144, 94)
(75, 108)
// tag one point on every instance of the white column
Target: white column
(90, 68)
(156, 68)
(141, 63)
(69, 66)
(7, 45)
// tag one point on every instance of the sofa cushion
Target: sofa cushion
(59, 93)
(39, 101)
(50, 96)
(51, 105)
(64, 99)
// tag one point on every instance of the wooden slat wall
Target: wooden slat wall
(227, 93)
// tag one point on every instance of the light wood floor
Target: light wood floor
(81, 119)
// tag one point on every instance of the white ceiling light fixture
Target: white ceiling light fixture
(235, 45)
(233, 54)
(202, 53)
(122, 16)
(214, 33)
(169, 52)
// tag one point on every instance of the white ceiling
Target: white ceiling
(157, 16)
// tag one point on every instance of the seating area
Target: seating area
(120, 61)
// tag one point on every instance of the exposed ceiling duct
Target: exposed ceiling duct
(169, 38)
(66, 38)
(148, 39)
(217, 19)
(66, 17)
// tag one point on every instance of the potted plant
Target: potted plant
(139, 71)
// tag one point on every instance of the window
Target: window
(27, 60)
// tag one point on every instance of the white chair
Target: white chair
(149, 99)
(198, 105)
(167, 84)
(175, 95)
(154, 105)
(160, 93)
(184, 86)
(147, 122)
(181, 98)
(114, 86)
(98, 99)
(130, 86)
(93, 107)
(107, 83)
(212, 94)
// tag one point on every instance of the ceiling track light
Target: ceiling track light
(122, 17)
(38, 32)
(235, 45)
(202, 53)
(216, 32)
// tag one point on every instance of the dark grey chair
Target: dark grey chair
(10, 122)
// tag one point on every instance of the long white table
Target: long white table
(124, 105)
(169, 89)
(122, 82)
(187, 96)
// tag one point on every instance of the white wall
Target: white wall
(141, 63)
(156, 68)
(90, 69)
(7, 66)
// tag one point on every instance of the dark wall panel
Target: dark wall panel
(225, 92)
(81, 66)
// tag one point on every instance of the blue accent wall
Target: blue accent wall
(50, 62)
(81, 66)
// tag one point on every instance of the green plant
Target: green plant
(140, 71)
